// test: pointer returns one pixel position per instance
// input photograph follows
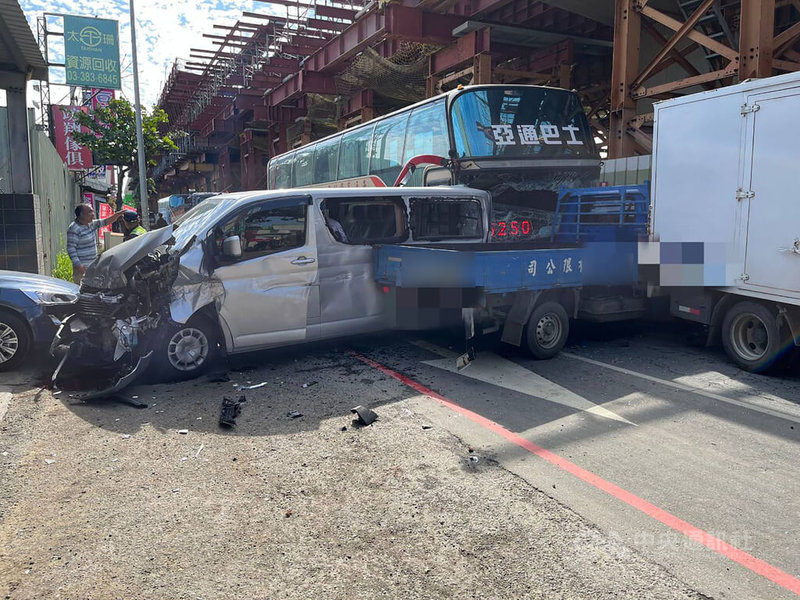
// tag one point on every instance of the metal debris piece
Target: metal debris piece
(294, 414)
(366, 416)
(183, 431)
(230, 410)
(251, 387)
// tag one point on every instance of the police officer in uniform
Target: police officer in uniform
(131, 226)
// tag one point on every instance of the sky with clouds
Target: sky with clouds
(165, 30)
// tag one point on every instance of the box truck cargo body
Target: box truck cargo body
(725, 220)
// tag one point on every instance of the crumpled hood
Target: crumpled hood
(43, 283)
(108, 271)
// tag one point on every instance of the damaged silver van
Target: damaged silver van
(249, 271)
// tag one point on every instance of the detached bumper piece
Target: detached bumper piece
(109, 385)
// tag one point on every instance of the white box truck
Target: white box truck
(725, 215)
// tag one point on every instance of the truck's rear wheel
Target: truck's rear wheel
(547, 331)
(751, 336)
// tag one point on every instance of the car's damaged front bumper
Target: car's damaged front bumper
(107, 339)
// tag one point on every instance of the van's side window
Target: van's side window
(363, 220)
(438, 218)
(264, 230)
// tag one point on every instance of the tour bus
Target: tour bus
(519, 142)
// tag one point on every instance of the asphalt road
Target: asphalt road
(709, 452)
(667, 451)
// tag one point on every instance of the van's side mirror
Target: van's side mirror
(232, 247)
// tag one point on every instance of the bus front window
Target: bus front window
(506, 122)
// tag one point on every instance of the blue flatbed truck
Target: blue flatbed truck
(586, 268)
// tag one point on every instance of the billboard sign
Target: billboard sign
(76, 157)
(91, 52)
(96, 97)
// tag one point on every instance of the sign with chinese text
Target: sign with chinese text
(527, 135)
(103, 212)
(76, 157)
(91, 52)
(94, 97)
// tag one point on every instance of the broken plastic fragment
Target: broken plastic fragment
(366, 416)
(183, 431)
(293, 414)
(230, 410)
(49, 461)
(251, 387)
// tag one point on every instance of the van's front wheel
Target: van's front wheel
(187, 350)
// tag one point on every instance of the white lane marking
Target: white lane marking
(686, 388)
(501, 372)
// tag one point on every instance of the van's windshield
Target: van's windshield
(200, 218)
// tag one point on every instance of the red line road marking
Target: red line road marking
(758, 566)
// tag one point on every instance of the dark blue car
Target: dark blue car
(24, 324)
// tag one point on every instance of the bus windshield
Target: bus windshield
(506, 122)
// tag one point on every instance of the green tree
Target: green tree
(111, 136)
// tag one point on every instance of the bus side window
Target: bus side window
(282, 172)
(387, 148)
(426, 134)
(303, 172)
(326, 156)
(353, 154)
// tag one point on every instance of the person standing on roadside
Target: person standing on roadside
(82, 238)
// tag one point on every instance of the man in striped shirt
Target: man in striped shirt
(82, 238)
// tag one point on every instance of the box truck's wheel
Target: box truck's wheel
(751, 336)
(547, 331)
(186, 351)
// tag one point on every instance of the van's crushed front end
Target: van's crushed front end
(107, 340)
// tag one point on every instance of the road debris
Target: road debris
(366, 416)
(251, 387)
(49, 461)
(183, 431)
(306, 385)
(230, 410)
(294, 414)
(199, 450)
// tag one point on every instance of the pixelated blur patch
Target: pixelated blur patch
(692, 253)
(671, 253)
(649, 253)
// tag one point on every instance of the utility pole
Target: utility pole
(143, 198)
